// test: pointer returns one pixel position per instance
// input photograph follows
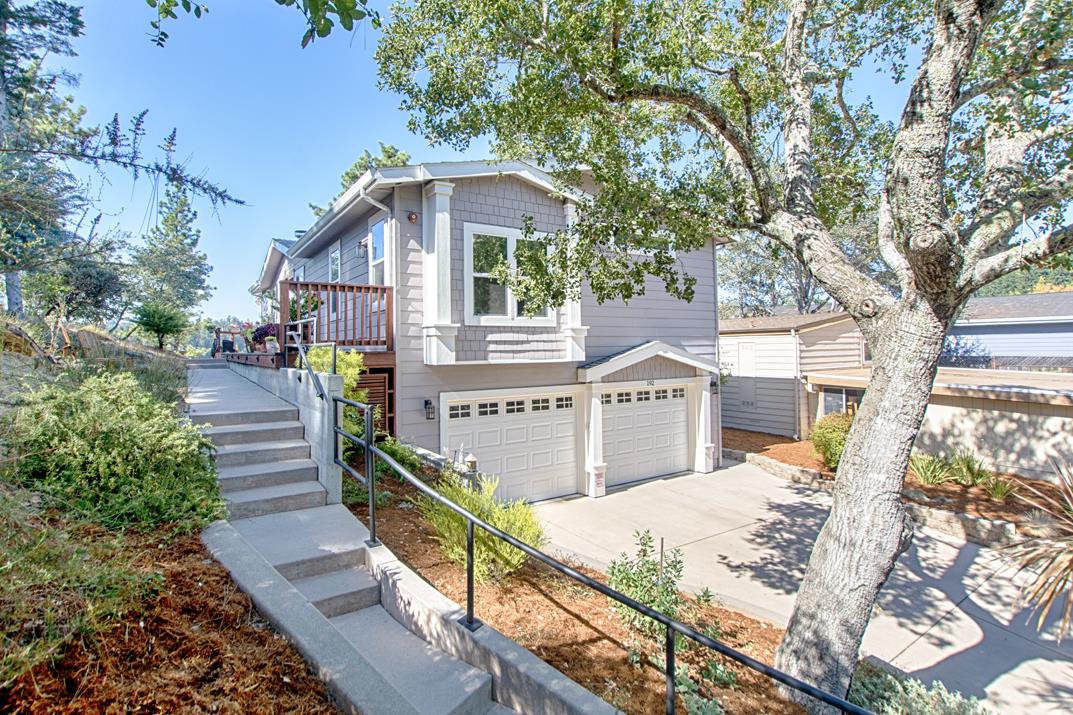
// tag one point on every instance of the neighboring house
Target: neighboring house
(787, 371)
(1033, 332)
(577, 400)
(276, 267)
(767, 358)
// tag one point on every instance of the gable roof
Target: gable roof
(595, 370)
(374, 185)
(779, 323)
(1035, 307)
(278, 250)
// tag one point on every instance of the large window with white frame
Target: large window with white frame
(335, 273)
(376, 247)
(489, 301)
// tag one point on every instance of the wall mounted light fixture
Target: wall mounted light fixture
(430, 410)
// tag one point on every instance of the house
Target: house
(767, 358)
(787, 371)
(276, 266)
(579, 399)
(1033, 332)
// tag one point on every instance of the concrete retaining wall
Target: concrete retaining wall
(316, 415)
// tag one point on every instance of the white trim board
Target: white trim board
(643, 352)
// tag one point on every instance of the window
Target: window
(661, 394)
(487, 409)
(644, 395)
(540, 404)
(605, 398)
(564, 403)
(678, 393)
(515, 407)
(375, 248)
(300, 273)
(488, 301)
(624, 398)
(456, 412)
(335, 272)
(837, 400)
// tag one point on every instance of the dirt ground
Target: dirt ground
(198, 647)
(950, 497)
(574, 629)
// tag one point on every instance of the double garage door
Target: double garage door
(532, 442)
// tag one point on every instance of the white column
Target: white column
(595, 467)
(438, 329)
(700, 424)
(570, 316)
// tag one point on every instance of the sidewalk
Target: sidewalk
(947, 613)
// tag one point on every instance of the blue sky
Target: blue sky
(273, 123)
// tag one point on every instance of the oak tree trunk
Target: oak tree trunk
(868, 527)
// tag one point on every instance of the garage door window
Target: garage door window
(456, 412)
(541, 404)
(564, 403)
(624, 397)
(487, 409)
(644, 395)
(678, 393)
(661, 394)
(605, 398)
(515, 407)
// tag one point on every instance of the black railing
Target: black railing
(303, 360)
(367, 442)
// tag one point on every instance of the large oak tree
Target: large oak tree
(704, 118)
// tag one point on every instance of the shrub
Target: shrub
(828, 437)
(998, 488)
(159, 320)
(493, 559)
(886, 694)
(642, 579)
(356, 493)
(930, 470)
(110, 451)
(404, 454)
(968, 470)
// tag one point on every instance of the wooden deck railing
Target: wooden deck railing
(349, 315)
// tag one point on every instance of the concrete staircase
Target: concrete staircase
(206, 364)
(278, 508)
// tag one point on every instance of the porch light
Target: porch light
(430, 410)
(471, 462)
(363, 251)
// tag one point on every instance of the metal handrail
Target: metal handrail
(368, 444)
(303, 352)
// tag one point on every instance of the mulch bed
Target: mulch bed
(949, 497)
(198, 647)
(574, 629)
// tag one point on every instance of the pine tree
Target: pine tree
(171, 271)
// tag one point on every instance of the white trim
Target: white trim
(439, 331)
(641, 353)
(1029, 320)
(512, 361)
(511, 319)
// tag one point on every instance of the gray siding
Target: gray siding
(657, 368)
(763, 399)
(830, 346)
(500, 201)
(656, 315)
(1044, 340)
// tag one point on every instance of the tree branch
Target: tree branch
(1036, 250)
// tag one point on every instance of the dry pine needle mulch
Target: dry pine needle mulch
(198, 647)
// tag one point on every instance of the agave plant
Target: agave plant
(929, 470)
(1049, 560)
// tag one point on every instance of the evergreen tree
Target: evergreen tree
(390, 155)
(171, 270)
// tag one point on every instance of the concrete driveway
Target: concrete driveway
(947, 613)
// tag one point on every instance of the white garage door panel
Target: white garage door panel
(534, 453)
(645, 438)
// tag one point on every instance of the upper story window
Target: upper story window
(488, 301)
(376, 249)
(335, 273)
(300, 273)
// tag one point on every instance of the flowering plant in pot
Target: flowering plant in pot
(263, 334)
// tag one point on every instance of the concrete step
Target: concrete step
(256, 432)
(338, 592)
(247, 503)
(251, 476)
(206, 365)
(432, 681)
(223, 418)
(307, 542)
(236, 455)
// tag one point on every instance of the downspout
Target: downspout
(797, 382)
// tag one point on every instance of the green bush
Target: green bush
(968, 470)
(356, 494)
(930, 470)
(403, 454)
(642, 579)
(108, 450)
(828, 437)
(886, 694)
(493, 559)
(160, 320)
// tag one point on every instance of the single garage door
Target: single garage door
(645, 433)
(529, 442)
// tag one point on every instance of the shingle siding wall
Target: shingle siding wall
(657, 368)
(500, 201)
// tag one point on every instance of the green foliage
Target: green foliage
(404, 454)
(169, 268)
(999, 488)
(719, 674)
(886, 694)
(356, 493)
(493, 559)
(160, 321)
(106, 449)
(643, 578)
(931, 470)
(968, 470)
(61, 581)
(828, 437)
(689, 692)
(389, 156)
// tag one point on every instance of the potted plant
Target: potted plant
(260, 337)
